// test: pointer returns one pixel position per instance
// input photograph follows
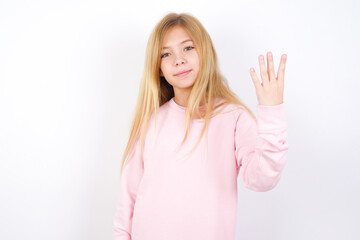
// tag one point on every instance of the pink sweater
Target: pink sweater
(178, 198)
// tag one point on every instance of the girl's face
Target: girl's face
(179, 60)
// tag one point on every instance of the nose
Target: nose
(179, 60)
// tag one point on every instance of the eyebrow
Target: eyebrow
(187, 40)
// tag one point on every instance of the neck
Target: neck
(182, 97)
(184, 102)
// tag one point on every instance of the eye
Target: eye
(164, 55)
(189, 47)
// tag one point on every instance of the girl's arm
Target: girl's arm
(129, 182)
(261, 149)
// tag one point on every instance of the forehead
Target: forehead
(175, 36)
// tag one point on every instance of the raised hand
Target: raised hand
(270, 91)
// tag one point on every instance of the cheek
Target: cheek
(164, 68)
(195, 59)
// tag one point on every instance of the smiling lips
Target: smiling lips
(184, 73)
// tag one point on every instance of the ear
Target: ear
(161, 74)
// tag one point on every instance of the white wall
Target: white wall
(69, 77)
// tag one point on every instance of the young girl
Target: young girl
(191, 137)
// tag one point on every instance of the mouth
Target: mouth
(182, 74)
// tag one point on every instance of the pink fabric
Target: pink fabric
(175, 197)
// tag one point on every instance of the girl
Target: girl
(187, 190)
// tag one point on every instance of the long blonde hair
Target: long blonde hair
(154, 90)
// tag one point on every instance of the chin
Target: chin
(184, 86)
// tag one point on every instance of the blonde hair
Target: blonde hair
(154, 90)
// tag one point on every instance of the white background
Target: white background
(69, 78)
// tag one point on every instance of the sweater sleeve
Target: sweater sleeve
(129, 182)
(260, 149)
